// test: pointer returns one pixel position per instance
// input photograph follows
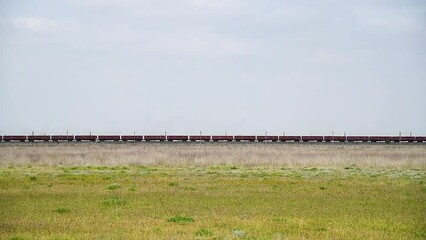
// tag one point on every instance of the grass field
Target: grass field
(395, 156)
(244, 195)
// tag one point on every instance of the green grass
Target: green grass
(180, 219)
(216, 202)
(113, 186)
(62, 210)
(204, 232)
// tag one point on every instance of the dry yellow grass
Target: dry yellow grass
(196, 154)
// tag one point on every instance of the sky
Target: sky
(302, 67)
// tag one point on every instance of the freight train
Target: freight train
(207, 138)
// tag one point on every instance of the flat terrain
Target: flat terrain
(395, 156)
(140, 191)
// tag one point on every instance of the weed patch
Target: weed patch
(113, 186)
(173, 184)
(321, 229)
(239, 233)
(204, 232)
(180, 219)
(106, 177)
(62, 210)
(17, 238)
(114, 201)
(279, 219)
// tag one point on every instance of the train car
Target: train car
(403, 139)
(267, 138)
(407, 139)
(421, 139)
(91, 138)
(329, 138)
(150, 138)
(1, 138)
(57, 138)
(289, 138)
(199, 138)
(114, 138)
(312, 138)
(222, 138)
(358, 138)
(135, 138)
(41, 138)
(245, 138)
(177, 138)
(339, 138)
(380, 139)
(14, 138)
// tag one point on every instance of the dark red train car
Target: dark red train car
(380, 139)
(335, 138)
(421, 139)
(222, 138)
(200, 138)
(407, 139)
(328, 138)
(14, 138)
(57, 138)
(155, 138)
(44, 138)
(358, 138)
(132, 138)
(79, 138)
(339, 138)
(289, 138)
(1, 138)
(267, 138)
(245, 138)
(177, 138)
(403, 139)
(312, 138)
(109, 138)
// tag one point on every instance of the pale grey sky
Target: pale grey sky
(240, 66)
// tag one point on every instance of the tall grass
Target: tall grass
(274, 155)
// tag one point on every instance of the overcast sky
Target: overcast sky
(240, 66)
